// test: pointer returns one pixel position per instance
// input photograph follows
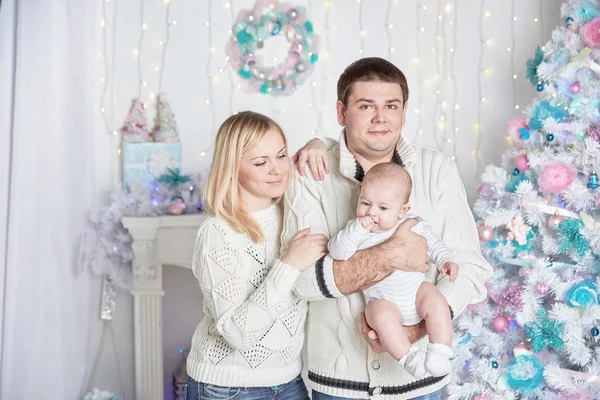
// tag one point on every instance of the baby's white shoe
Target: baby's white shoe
(414, 362)
(438, 357)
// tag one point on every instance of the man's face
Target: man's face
(373, 118)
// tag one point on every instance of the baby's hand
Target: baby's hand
(366, 222)
(450, 268)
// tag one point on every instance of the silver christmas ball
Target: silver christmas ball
(293, 14)
(300, 67)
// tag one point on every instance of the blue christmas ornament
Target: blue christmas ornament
(494, 364)
(276, 28)
(545, 110)
(595, 331)
(465, 338)
(525, 375)
(525, 134)
(572, 238)
(584, 294)
(539, 87)
(545, 332)
(550, 137)
(569, 21)
(511, 186)
(515, 172)
(593, 181)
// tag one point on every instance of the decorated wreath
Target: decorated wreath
(269, 19)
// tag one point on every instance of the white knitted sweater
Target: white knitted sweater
(340, 362)
(253, 328)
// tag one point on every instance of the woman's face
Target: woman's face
(264, 172)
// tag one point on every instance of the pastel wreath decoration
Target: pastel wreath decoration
(252, 28)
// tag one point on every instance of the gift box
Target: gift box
(144, 162)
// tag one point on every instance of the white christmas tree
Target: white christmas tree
(537, 334)
(165, 126)
(134, 128)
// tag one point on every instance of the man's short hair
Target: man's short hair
(370, 69)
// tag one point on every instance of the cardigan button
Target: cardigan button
(377, 390)
(375, 365)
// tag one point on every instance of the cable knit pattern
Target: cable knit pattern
(340, 361)
(252, 333)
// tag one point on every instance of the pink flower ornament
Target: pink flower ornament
(591, 33)
(556, 177)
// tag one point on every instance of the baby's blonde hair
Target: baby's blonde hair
(238, 135)
(391, 174)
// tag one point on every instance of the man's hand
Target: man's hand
(407, 250)
(370, 335)
(315, 154)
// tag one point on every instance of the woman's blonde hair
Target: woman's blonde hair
(237, 135)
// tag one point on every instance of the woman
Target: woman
(248, 345)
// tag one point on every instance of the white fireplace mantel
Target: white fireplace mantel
(157, 241)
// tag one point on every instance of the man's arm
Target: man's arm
(459, 232)
(303, 208)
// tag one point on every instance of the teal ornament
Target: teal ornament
(550, 137)
(539, 87)
(587, 10)
(494, 364)
(245, 74)
(525, 134)
(532, 65)
(243, 37)
(572, 239)
(173, 178)
(309, 27)
(511, 186)
(465, 338)
(525, 375)
(584, 294)
(264, 89)
(276, 28)
(545, 332)
(314, 58)
(595, 332)
(545, 110)
(516, 172)
(593, 181)
(569, 21)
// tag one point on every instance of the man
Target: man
(371, 106)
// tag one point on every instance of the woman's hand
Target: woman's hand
(304, 249)
(315, 154)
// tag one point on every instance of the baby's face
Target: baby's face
(383, 203)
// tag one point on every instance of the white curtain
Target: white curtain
(48, 132)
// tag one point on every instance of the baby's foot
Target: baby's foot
(437, 361)
(414, 362)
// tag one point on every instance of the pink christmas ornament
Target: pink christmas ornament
(591, 33)
(542, 288)
(575, 88)
(514, 124)
(177, 207)
(522, 162)
(554, 221)
(486, 233)
(500, 324)
(556, 177)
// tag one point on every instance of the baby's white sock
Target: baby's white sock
(437, 361)
(414, 362)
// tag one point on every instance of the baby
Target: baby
(403, 298)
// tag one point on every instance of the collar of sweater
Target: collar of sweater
(404, 155)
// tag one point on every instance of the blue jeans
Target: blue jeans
(293, 390)
(321, 396)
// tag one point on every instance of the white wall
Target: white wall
(186, 81)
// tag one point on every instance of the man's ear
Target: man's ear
(341, 113)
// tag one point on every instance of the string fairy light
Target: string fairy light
(313, 96)
(231, 86)
(138, 52)
(439, 50)
(210, 101)
(452, 67)
(165, 44)
(417, 61)
(482, 99)
(512, 54)
(325, 67)
(388, 30)
(362, 31)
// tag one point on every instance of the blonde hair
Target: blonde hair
(237, 135)
(391, 174)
